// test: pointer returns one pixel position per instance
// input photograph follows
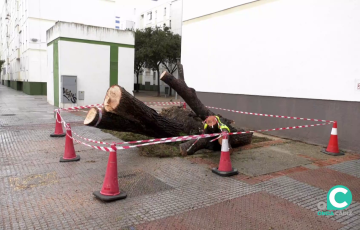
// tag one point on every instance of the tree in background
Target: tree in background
(154, 47)
(173, 51)
(1, 63)
(140, 42)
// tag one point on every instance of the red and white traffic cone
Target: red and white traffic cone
(184, 105)
(225, 168)
(58, 127)
(69, 153)
(110, 189)
(333, 146)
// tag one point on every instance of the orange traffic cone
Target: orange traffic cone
(110, 189)
(69, 153)
(333, 146)
(225, 168)
(58, 127)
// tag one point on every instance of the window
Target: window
(170, 24)
(165, 11)
(150, 15)
(155, 14)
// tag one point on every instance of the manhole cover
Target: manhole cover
(7, 115)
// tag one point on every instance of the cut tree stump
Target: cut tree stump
(129, 111)
(111, 121)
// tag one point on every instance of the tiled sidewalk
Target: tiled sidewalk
(39, 192)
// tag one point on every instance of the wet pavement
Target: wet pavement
(280, 185)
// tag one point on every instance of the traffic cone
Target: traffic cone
(58, 127)
(110, 189)
(69, 153)
(225, 168)
(333, 146)
(184, 105)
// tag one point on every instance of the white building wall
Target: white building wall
(31, 19)
(126, 68)
(285, 48)
(79, 31)
(37, 60)
(199, 8)
(92, 71)
(50, 74)
(172, 17)
(85, 58)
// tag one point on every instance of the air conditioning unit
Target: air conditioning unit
(34, 39)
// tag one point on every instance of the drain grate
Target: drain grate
(5, 115)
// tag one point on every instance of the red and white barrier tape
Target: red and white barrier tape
(76, 108)
(148, 142)
(269, 115)
(80, 107)
(162, 103)
(210, 107)
(84, 138)
(180, 138)
(105, 149)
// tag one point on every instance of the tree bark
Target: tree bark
(181, 71)
(111, 121)
(137, 80)
(190, 97)
(130, 110)
(188, 148)
(158, 80)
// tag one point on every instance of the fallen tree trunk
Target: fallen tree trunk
(111, 121)
(129, 111)
(188, 148)
(124, 113)
(190, 97)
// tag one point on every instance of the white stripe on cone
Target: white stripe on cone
(334, 131)
(225, 145)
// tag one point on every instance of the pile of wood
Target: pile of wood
(124, 113)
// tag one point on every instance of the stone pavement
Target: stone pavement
(39, 192)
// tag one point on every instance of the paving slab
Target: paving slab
(326, 178)
(255, 211)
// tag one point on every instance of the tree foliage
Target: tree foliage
(154, 47)
(1, 63)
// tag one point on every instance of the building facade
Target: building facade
(168, 14)
(95, 58)
(288, 57)
(23, 29)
